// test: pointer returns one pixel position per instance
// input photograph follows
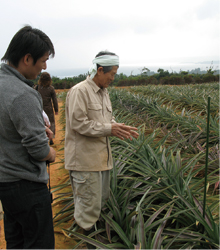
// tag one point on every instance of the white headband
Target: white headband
(106, 60)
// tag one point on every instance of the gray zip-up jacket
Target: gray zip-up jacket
(23, 141)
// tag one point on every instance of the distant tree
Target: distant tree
(152, 80)
(209, 77)
(210, 69)
(145, 71)
(217, 78)
(188, 78)
(165, 80)
(175, 80)
(198, 79)
(162, 73)
(184, 73)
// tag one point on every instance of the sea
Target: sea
(200, 68)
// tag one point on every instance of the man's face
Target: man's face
(107, 78)
(35, 69)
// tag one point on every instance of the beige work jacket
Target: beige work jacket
(88, 125)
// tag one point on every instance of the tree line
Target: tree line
(162, 77)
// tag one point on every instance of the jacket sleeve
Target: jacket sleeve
(77, 110)
(26, 114)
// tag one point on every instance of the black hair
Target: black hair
(106, 69)
(28, 41)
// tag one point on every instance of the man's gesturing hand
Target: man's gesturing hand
(123, 131)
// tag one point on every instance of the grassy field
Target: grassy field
(158, 180)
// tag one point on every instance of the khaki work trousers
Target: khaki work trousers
(90, 190)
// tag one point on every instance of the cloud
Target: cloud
(209, 10)
(138, 31)
(83, 27)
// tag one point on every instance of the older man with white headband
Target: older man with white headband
(89, 123)
(105, 60)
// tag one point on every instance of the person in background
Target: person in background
(89, 124)
(50, 103)
(24, 147)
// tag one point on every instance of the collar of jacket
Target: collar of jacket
(94, 86)
(12, 71)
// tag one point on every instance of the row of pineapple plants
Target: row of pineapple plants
(184, 96)
(188, 125)
(157, 185)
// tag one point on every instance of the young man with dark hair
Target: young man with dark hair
(24, 147)
(89, 123)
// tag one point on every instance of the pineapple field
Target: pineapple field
(165, 184)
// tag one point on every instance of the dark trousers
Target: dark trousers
(28, 219)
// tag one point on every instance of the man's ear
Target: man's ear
(100, 70)
(27, 59)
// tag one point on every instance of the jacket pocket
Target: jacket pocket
(79, 177)
(109, 108)
(94, 106)
(95, 112)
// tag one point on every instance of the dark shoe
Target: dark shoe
(51, 142)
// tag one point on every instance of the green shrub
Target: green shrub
(165, 80)
(163, 73)
(176, 80)
(208, 78)
(217, 78)
(188, 79)
(198, 79)
(152, 80)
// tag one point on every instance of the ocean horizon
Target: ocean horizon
(137, 69)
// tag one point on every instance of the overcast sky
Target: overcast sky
(139, 31)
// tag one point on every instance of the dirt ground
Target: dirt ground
(61, 241)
